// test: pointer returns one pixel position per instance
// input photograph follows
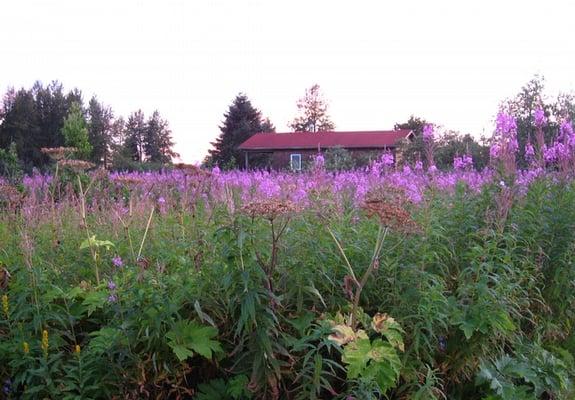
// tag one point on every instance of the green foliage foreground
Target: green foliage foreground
(217, 303)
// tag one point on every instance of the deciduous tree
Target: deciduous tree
(75, 132)
(312, 112)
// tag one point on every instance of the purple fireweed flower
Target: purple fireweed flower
(505, 124)
(418, 165)
(539, 117)
(387, 159)
(529, 150)
(550, 154)
(494, 150)
(463, 162)
(566, 130)
(118, 262)
(428, 132)
(319, 162)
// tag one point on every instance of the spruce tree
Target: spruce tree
(241, 121)
(134, 136)
(100, 131)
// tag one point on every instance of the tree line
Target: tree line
(46, 116)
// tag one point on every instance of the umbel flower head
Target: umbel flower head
(76, 165)
(389, 209)
(58, 153)
(269, 208)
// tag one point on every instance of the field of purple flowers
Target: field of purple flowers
(401, 282)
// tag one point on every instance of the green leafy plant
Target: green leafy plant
(187, 338)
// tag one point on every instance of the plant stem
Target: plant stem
(382, 233)
(146, 233)
(85, 223)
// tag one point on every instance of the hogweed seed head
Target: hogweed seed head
(76, 165)
(58, 153)
(269, 208)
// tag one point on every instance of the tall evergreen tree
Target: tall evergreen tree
(241, 121)
(20, 126)
(75, 132)
(312, 109)
(158, 143)
(100, 131)
(135, 132)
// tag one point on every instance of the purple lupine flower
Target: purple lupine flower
(112, 298)
(539, 117)
(111, 285)
(118, 262)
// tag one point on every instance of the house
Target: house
(292, 150)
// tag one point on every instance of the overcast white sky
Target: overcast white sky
(377, 62)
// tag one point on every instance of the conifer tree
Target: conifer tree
(241, 121)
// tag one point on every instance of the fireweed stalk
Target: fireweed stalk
(505, 145)
(428, 139)
(540, 122)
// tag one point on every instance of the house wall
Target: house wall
(280, 159)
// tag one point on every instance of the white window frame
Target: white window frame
(292, 162)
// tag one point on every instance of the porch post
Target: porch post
(246, 163)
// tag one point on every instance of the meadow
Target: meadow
(399, 283)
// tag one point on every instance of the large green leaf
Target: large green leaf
(377, 360)
(188, 337)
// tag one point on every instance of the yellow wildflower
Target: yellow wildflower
(77, 349)
(26, 347)
(45, 342)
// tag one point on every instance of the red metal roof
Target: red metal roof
(309, 140)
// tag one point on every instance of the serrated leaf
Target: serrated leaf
(95, 300)
(194, 338)
(356, 355)
(182, 352)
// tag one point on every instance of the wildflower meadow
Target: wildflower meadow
(393, 281)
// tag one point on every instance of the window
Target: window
(295, 162)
